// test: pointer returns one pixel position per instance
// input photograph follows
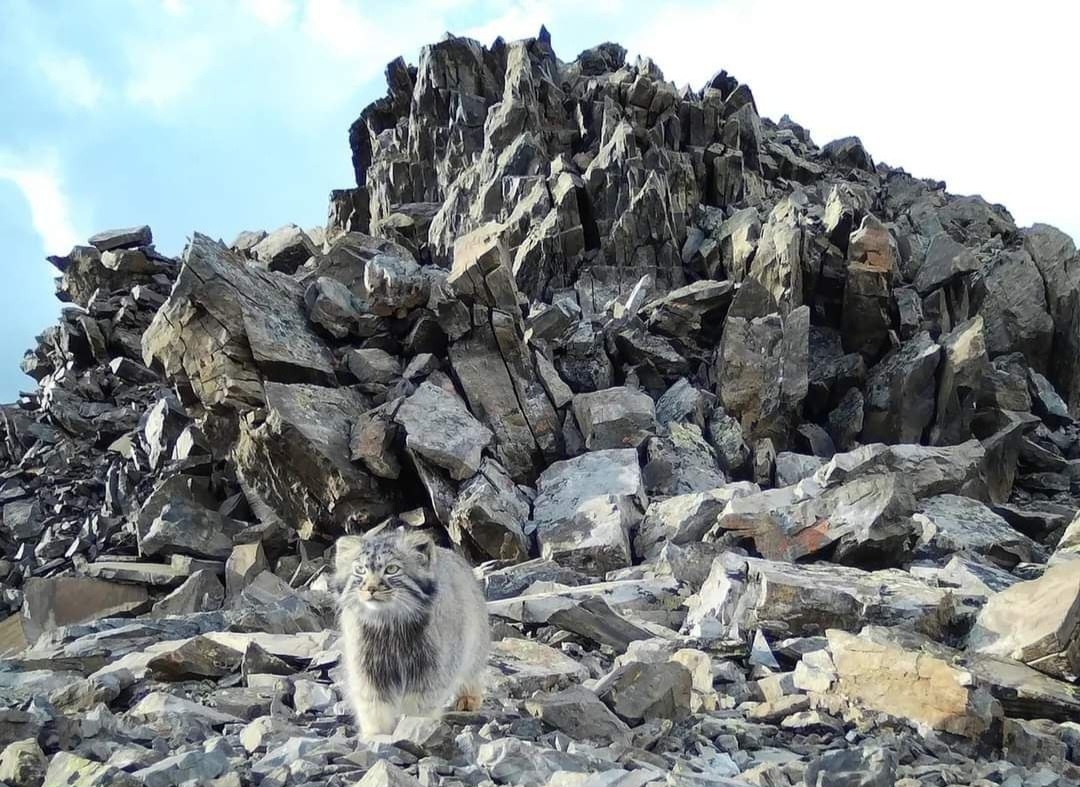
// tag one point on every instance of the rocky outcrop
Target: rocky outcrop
(765, 454)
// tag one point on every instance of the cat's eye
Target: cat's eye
(391, 569)
(358, 569)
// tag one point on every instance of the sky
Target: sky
(220, 116)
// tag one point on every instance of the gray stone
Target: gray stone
(23, 764)
(200, 765)
(615, 418)
(639, 691)
(964, 368)
(198, 657)
(681, 462)
(201, 592)
(159, 706)
(900, 393)
(61, 601)
(518, 762)
(580, 714)
(307, 426)
(285, 249)
(373, 366)
(762, 371)
(383, 774)
(951, 523)
(725, 434)
(489, 513)
(189, 529)
(498, 376)
(245, 563)
(945, 260)
(1011, 296)
(684, 519)
(521, 667)
(682, 403)
(867, 767)
(127, 238)
(586, 507)
(793, 599)
(228, 325)
(70, 770)
(312, 697)
(791, 468)
(394, 284)
(440, 428)
(926, 471)
(856, 519)
(1035, 622)
(332, 307)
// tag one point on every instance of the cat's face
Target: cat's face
(386, 575)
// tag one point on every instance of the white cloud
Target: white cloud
(175, 7)
(272, 13)
(71, 77)
(339, 25)
(41, 187)
(167, 71)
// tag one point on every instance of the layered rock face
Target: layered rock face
(765, 455)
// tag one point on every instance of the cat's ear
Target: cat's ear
(346, 550)
(420, 543)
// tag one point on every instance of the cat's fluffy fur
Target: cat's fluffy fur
(414, 628)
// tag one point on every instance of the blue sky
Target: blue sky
(224, 115)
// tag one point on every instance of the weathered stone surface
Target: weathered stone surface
(1035, 622)
(332, 307)
(489, 514)
(900, 393)
(951, 523)
(66, 768)
(373, 367)
(503, 390)
(681, 462)
(307, 429)
(860, 517)
(521, 667)
(926, 471)
(615, 418)
(127, 238)
(284, 249)
(964, 367)
(189, 529)
(440, 428)
(639, 691)
(393, 284)
(586, 507)
(791, 599)
(245, 563)
(911, 684)
(23, 764)
(684, 519)
(873, 767)
(580, 714)
(761, 369)
(945, 260)
(228, 326)
(201, 592)
(59, 601)
(383, 774)
(1011, 296)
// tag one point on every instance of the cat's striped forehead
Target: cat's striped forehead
(378, 551)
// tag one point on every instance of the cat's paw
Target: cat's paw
(469, 700)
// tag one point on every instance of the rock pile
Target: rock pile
(765, 453)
